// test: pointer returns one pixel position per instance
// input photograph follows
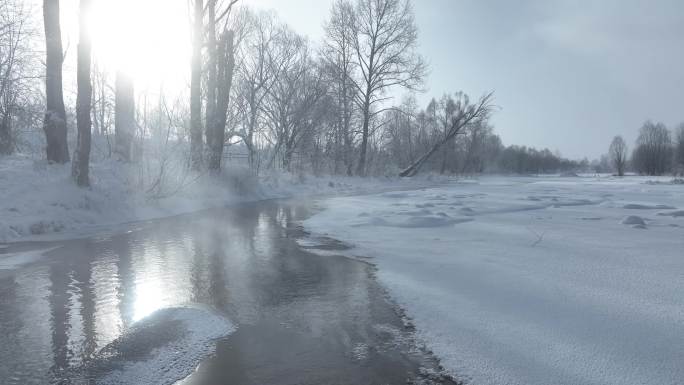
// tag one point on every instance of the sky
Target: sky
(567, 75)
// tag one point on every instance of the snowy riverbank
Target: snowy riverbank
(532, 280)
(41, 200)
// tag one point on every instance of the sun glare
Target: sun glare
(148, 39)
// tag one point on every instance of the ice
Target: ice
(636, 206)
(554, 292)
(633, 220)
(187, 335)
(676, 214)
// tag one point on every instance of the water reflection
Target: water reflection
(58, 313)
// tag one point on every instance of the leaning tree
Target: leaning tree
(464, 115)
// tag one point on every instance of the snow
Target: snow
(175, 360)
(531, 280)
(40, 201)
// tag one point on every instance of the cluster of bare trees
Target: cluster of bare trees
(213, 57)
(657, 151)
(321, 107)
(17, 75)
(460, 139)
(259, 89)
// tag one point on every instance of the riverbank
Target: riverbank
(41, 201)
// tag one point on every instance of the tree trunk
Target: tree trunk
(226, 67)
(54, 123)
(211, 113)
(361, 168)
(124, 116)
(6, 144)
(196, 144)
(83, 99)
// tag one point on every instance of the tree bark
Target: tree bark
(196, 144)
(54, 123)
(83, 99)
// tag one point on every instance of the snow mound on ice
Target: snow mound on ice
(633, 220)
(678, 213)
(636, 206)
(396, 195)
(431, 221)
(414, 220)
(161, 349)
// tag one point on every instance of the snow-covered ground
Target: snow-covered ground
(38, 200)
(532, 280)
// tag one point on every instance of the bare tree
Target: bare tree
(384, 43)
(618, 155)
(196, 142)
(55, 115)
(124, 116)
(679, 149)
(464, 115)
(339, 55)
(16, 68)
(255, 76)
(81, 162)
(291, 104)
(653, 152)
(103, 104)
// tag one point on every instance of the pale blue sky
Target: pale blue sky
(568, 75)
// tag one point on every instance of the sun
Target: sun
(148, 39)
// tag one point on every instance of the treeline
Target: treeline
(408, 132)
(257, 89)
(657, 151)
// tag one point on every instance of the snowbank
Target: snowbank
(531, 280)
(40, 199)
